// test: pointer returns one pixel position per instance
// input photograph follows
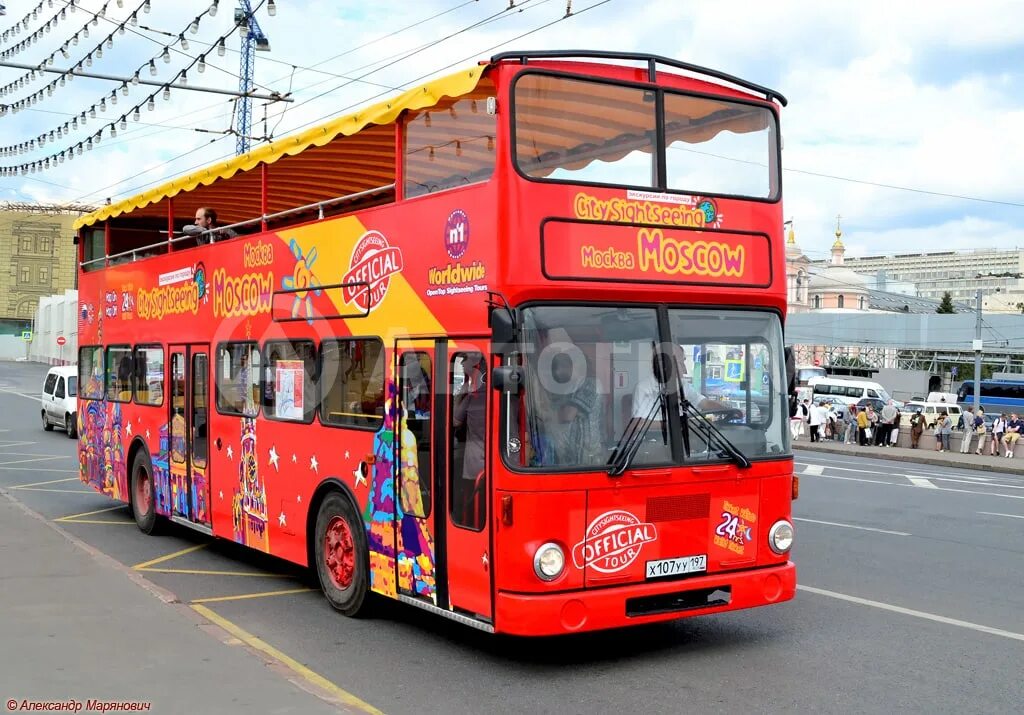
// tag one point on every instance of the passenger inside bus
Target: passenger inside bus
(206, 221)
(574, 420)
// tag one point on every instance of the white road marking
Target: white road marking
(851, 526)
(920, 482)
(987, 481)
(911, 612)
(911, 486)
(34, 459)
(814, 469)
(36, 469)
(22, 394)
(996, 513)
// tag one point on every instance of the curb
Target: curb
(987, 466)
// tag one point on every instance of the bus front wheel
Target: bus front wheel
(342, 560)
(142, 493)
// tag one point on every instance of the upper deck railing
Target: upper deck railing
(652, 62)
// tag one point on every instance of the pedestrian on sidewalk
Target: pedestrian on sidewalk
(863, 428)
(819, 416)
(887, 418)
(916, 428)
(967, 424)
(980, 429)
(894, 434)
(851, 424)
(998, 428)
(872, 425)
(943, 430)
(1013, 429)
(796, 424)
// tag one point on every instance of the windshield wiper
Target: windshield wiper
(712, 431)
(629, 443)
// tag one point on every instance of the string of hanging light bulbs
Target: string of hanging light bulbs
(77, 149)
(102, 102)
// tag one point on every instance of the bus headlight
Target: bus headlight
(780, 537)
(548, 562)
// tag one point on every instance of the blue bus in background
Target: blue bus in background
(997, 396)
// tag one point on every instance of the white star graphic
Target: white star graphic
(347, 455)
(313, 464)
(295, 460)
(274, 458)
(358, 474)
(222, 495)
(128, 428)
(231, 452)
(281, 519)
(147, 434)
(298, 498)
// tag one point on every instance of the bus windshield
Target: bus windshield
(583, 131)
(591, 371)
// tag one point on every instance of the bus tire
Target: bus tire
(342, 560)
(143, 495)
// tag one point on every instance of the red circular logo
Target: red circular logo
(373, 263)
(613, 541)
(61, 340)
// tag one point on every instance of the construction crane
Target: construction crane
(252, 39)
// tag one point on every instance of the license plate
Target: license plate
(675, 567)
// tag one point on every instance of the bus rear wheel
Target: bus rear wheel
(142, 493)
(342, 560)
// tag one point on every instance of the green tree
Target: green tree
(946, 306)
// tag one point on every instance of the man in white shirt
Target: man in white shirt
(819, 415)
(649, 388)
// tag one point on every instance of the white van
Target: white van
(60, 399)
(932, 410)
(848, 392)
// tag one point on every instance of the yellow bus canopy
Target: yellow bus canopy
(363, 164)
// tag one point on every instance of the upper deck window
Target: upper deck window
(592, 132)
(450, 144)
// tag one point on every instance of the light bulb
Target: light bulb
(99, 52)
(110, 41)
(113, 97)
(135, 115)
(120, 28)
(166, 56)
(85, 31)
(88, 60)
(152, 69)
(184, 42)
(120, 3)
(271, 8)
(146, 7)
(194, 27)
(134, 19)
(202, 64)
(220, 48)
(74, 39)
(167, 93)
(124, 121)
(183, 79)
(113, 131)
(213, 9)
(103, 106)
(124, 88)
(151, 104)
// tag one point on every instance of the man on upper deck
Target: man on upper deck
(205, 225)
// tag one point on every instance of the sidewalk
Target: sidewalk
(74, 626)
(925, 454)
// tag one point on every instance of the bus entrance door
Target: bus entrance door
(188, 432)
(468, 548)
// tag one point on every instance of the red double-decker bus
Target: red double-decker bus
(507, 347)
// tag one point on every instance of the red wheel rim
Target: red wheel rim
(340, 553)
(143, 491)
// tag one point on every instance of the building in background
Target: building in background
(961, 273)
(37, 247)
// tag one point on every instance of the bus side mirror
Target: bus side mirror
(507, 379)
(503, 331)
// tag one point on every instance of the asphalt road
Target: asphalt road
(910, 600)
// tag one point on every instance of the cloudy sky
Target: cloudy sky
(926, 98)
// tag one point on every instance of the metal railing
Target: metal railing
(132, 254)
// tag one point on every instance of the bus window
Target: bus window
(352, 382)
(90, 372)
(238, 379)
(468, 411)
(584, 131)
(149, 375)
(119, 374)
(719, 147)
(200, 369)
(289, 386)
(415, 433)
(451, 144)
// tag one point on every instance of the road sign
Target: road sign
(953, 370)
(26, 335)
(61, 340)
(764, 379)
